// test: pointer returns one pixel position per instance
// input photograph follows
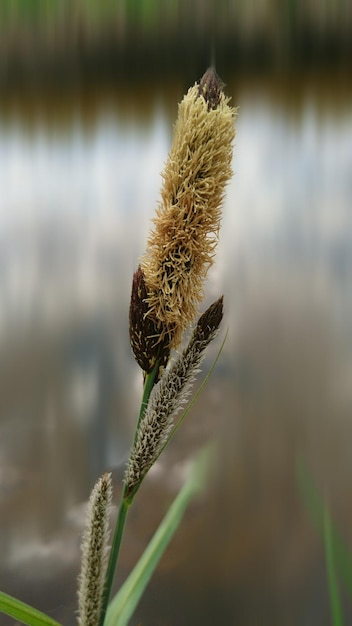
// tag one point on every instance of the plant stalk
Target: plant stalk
(125, 504)
(148, 386)
(115, 549)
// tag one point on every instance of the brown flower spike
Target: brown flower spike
(150, 341)
(181, 245)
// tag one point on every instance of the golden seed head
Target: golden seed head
(181, 245)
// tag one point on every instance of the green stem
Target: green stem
(148, 386)
(115, 549)
(125, 503)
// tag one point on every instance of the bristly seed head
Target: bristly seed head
(181, 245)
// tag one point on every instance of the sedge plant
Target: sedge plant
(168, 337)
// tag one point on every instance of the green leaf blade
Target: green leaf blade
(23, 612)
(315, 505)
(336, 608)
(125, 602)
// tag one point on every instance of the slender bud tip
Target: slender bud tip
(210, 87)
(209, 322)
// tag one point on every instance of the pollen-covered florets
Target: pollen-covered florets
(181, 245)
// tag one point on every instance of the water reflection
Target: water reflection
(79, 180)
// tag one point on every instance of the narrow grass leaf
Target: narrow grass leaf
(315, 506)
(24, 613)
(125, 602)
(336, 610)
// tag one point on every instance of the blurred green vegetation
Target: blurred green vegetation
(84, 36)
(95, 12)
(323, 12)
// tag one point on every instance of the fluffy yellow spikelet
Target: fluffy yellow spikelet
(181, 245)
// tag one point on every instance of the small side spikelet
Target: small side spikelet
(150, 341)
(94, 553)
(168, 397)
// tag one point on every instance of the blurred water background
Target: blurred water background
(89, 93)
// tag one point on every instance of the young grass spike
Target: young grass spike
(94, 553)
(168, 397)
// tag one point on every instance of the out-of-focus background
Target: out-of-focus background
(89, 93)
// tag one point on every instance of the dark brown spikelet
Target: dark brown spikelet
(149, 341)
(210, 88)
(209, 322)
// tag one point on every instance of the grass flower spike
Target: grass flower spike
(168, 397)
(168, 284)
(181, 245)
(167, 289)
(150, 340)
(95, 553)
